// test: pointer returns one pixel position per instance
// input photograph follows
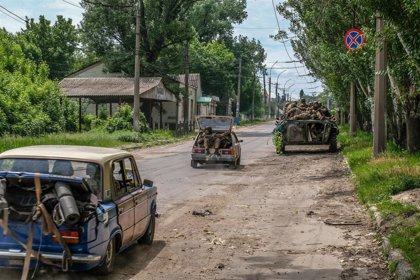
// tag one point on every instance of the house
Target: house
(95, 87)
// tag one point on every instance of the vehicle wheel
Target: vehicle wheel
(238, 162)
(107, 265)
(194, 163)
(233, 165)
(149, 235)
(333, 142)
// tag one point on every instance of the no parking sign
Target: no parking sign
(354, 39)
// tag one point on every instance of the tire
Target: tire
(233, 165)
(107, 265)
(194, 163)
(238, 162)
(333, 142)
(149, 235)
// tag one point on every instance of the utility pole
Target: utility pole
(253, 96)
(265, 94)
(136, 102)
(352, 109)
(379, 132)
(238, 97)
(269, 96)
(187, 88)
(277, 100)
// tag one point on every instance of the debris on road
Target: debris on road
(342, 223)
(218, 241)
(220, 266)
(202, 213)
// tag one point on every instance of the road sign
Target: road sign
(354, 39)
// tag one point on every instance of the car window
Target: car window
(131, 179)
(118, 183)
(234, 137)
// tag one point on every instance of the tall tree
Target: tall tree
(214, 19)
(56, 44)
(320, 28)
(30, 103)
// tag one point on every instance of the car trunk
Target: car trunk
(68, 202)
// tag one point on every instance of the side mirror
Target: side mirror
(147, 183)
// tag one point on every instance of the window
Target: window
(124, 176)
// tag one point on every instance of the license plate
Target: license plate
(16, 262)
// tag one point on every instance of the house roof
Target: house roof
(115, 87)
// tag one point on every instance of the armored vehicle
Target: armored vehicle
(305, 132)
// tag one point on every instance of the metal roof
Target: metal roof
(151, 88)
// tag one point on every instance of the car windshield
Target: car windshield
(91, 172)
(216, 123)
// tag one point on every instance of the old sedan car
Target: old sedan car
(73, 207)
(216, 142)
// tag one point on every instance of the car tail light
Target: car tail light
(228, 152)
(69, 236)
(198, 150)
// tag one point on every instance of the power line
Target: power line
(72, 4)
(12, 17)
(12, 13)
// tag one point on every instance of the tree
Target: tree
(55, 44)
(214, 19)
(301, 93)
(320, 28)
(30, 103)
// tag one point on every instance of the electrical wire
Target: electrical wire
(72, 4)
(15, 16)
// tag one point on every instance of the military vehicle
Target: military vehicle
(305, 132)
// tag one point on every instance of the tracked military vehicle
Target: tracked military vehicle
(305, 132)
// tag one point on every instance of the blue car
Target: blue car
(72, 207)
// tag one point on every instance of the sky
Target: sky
(260, 24)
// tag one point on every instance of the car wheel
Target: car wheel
(107, 265)
(149, 235)
(238, 162)
(233, 165)
(194, 163)
(333, 142)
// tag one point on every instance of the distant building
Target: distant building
(95, 87)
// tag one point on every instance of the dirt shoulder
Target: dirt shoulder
(289, 217)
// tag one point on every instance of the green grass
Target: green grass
(122, 139)
(378, 179)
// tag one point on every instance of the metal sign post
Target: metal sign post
(353, 40)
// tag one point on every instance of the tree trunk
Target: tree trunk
(413, 133)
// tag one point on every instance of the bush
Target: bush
(123, 120)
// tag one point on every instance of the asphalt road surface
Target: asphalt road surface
(275, 217)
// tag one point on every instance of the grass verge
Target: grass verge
(377, 180)
(120, 139)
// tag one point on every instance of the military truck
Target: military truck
(305, 132)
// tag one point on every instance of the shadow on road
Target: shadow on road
(127, 264)
(253, 134)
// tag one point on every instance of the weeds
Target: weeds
(377, 180)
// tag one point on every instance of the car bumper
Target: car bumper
(77, 258)
(213, 158)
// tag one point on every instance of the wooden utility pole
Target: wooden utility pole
(136, 102)
(277, 100)
(379, 131)
(238, 97)
(187, 87)
(269, 96)
(265, 94)
(353, 121)
(253, 96)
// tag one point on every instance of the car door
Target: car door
(139, 195)
(124, 201)
(237, 146)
